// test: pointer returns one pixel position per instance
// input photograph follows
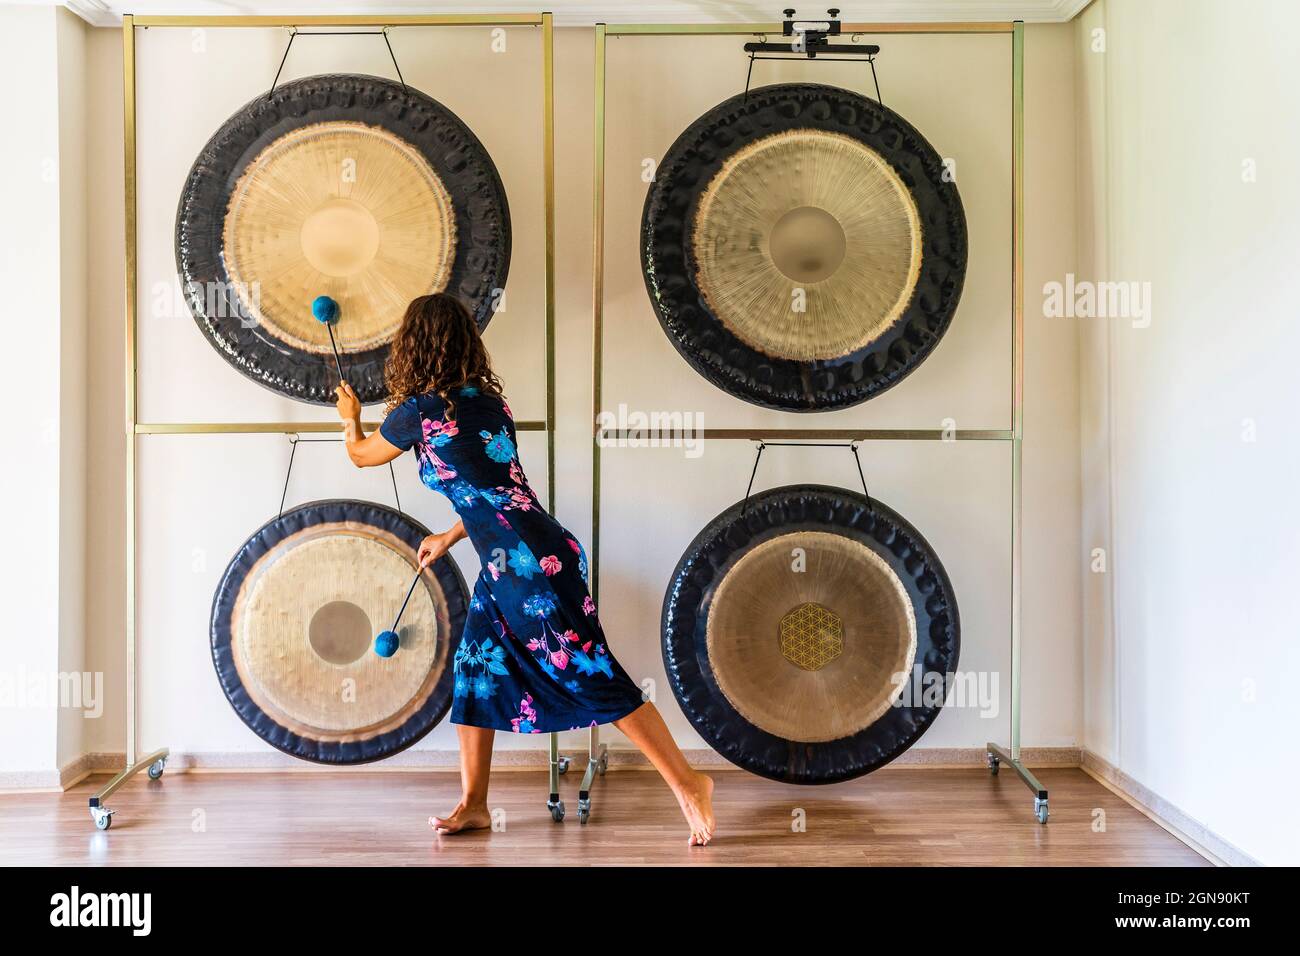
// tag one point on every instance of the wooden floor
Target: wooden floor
(894, 817)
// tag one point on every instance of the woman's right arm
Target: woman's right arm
(366, 451)
(436, 545)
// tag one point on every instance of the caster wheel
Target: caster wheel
(557, 810)
(584, 811)
(156, 769)
(562, 765)
(1040, 810)
(993, 765)
(103, 818)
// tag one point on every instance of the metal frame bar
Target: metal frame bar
(996, 753)
(1013, 436)
(277, 428)
(352, 20)
(132, 267)
(597, 763)
(597, 299)
(747, 29)
(819, 434)
(548, 200)
(97, 801)
(135, 428)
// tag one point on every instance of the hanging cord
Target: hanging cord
(294, 34)
(295, 441)
(758, 455)
(749, 74)
(875, 79)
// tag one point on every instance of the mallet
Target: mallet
(386, 642)
(326, 311)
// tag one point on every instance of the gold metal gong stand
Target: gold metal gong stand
(997, 754)
(155, 761)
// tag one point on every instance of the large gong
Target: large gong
(809, 634)
(293, 622)
(803, 247)
(341, 185)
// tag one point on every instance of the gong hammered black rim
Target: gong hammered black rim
(482, 256)
(670, 271)
(719, 546)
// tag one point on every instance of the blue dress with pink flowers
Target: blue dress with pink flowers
(532, 657)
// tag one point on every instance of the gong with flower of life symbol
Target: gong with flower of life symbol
(794, 628)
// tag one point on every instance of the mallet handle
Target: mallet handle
(409, 592)
(337, 364)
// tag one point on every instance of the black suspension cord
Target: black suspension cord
(851, 446)
(757, 456)
(295, 441)
(402, 80)
(293, 451)
(294, 34)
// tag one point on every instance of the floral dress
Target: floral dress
(532, 657)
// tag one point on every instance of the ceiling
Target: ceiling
(585, 12)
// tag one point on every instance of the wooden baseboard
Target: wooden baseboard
(536, 759)
(1186, 828)
(31, 781)
(73, 773)
(52, 781)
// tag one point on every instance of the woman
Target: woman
(532, 657)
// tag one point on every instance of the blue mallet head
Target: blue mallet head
(325, 309)
(386, 643)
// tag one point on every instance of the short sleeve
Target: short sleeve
(403, 428)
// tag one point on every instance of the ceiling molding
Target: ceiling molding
(1067, 10)
(95, 12)
(102, 13)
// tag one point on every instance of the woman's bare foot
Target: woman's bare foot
(696, 801)
(464, 817)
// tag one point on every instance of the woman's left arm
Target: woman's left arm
(366, 451)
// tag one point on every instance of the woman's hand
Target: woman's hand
(348, 405)
(434, 547)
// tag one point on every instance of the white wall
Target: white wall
(31, 263)
(200, 497)
(1053, 699)
(1189, 688)
(43, 258)
(1094, 376)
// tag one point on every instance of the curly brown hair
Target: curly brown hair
(437, 349)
